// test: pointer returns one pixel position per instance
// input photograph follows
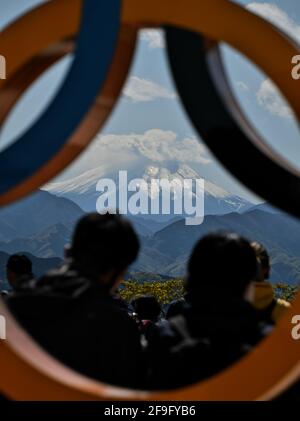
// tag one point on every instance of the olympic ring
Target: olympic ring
(92, 122)
(198, 89)
(213, 19)
(62, 118)
(23, 78)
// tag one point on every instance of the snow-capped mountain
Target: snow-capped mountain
(82, 189)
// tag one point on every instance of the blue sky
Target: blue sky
(150, 107)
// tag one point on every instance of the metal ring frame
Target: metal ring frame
(27, 372)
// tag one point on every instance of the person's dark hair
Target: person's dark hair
(223, 262)
(19, 264)
(176, 308)
(102, 243)
(146, 307)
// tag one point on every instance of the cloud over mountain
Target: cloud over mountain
(156, 145)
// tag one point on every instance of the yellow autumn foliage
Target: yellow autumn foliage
(165, 291)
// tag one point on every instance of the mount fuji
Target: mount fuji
(82, 189)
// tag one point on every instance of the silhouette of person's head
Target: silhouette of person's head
(263, 260)
(18, 270)
(102, 248)
(221, 264)
(147, 308)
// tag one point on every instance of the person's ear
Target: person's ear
(118, 279)
(186, 282)
(250, 293)
(121, 275)
(68, 251)
(10, 276)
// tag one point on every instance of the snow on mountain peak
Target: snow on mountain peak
(82, 188)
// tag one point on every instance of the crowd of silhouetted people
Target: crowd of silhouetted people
(76, 314)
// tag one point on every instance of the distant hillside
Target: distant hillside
(147, 227)
(43, 225)
(50, 242)
(35, 214)
(40, 266)
(265, 207)
(146, 277)
(167, 251)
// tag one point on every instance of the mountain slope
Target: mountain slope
(48, 243)
(35, 214)
(43, 224)
(279, 233)
(82, 189)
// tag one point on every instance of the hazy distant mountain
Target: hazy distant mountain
(265, 207)
(146, 276)
(43, 223)
(167, 251)
(35, 214)
(49, 242)
(40, 266)
(147, 227)
(82, 189)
